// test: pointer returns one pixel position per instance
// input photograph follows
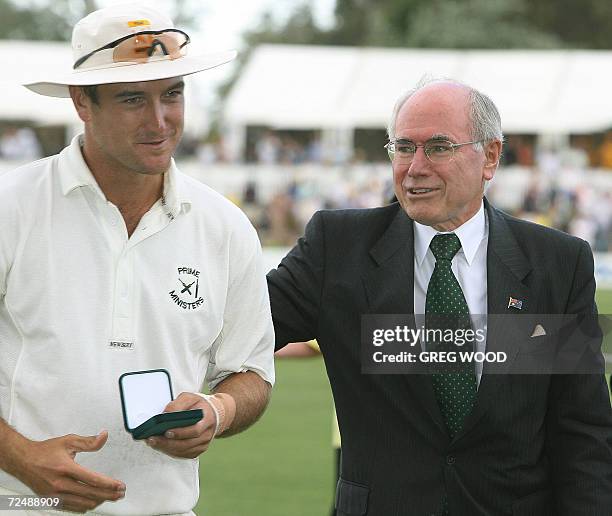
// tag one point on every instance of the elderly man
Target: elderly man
(463, 443)
(112, 261)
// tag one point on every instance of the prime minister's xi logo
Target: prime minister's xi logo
(187, 293)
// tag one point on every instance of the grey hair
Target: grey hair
(484, 116)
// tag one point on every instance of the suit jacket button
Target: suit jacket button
(450, 460)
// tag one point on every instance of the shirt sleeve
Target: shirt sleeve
(246, 342)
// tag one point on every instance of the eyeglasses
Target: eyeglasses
(437, 151)
(142, 46)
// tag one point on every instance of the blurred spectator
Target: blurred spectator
(584, 226)
(267, 148)
(206, 153)
(291, 152)
(524, 152)
(605, 151)
(532, 200)
(250, 193)
(252, 208)
(188, 147)
(548, 161)
(282, 227)
(314, 150)
(509, 154)
(579, 154)
(19, 144)
(602, 212)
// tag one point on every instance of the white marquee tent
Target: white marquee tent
(22, 60)
(340, 88)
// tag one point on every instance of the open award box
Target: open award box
(144, 395)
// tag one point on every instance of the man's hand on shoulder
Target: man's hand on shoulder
(49, 469)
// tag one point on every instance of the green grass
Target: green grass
(283, 465)
(604, 301)
(604, 305)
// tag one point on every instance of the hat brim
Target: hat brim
(149, 71)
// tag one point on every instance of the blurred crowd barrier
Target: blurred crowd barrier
(280, 199)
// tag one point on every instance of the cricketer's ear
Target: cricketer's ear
(82, 103)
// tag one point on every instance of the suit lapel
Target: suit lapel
(389, 284)
(507, 267)
(389, 288)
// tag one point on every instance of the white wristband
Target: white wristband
(215, 410)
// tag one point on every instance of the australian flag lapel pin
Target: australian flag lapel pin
(515, 303)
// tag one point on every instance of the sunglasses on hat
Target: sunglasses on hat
(142, 46)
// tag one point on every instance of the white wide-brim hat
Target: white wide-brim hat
(110, 24)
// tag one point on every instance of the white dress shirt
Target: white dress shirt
(469, 266)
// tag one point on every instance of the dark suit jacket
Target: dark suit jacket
(533, 444)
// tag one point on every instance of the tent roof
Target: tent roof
(19, 103)
(302, 87)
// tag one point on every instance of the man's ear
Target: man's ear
(492, 152)
(82, 103)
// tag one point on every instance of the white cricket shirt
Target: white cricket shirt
(80, 304)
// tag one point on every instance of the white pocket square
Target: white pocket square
(538, 331)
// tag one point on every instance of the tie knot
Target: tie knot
(444, 247)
